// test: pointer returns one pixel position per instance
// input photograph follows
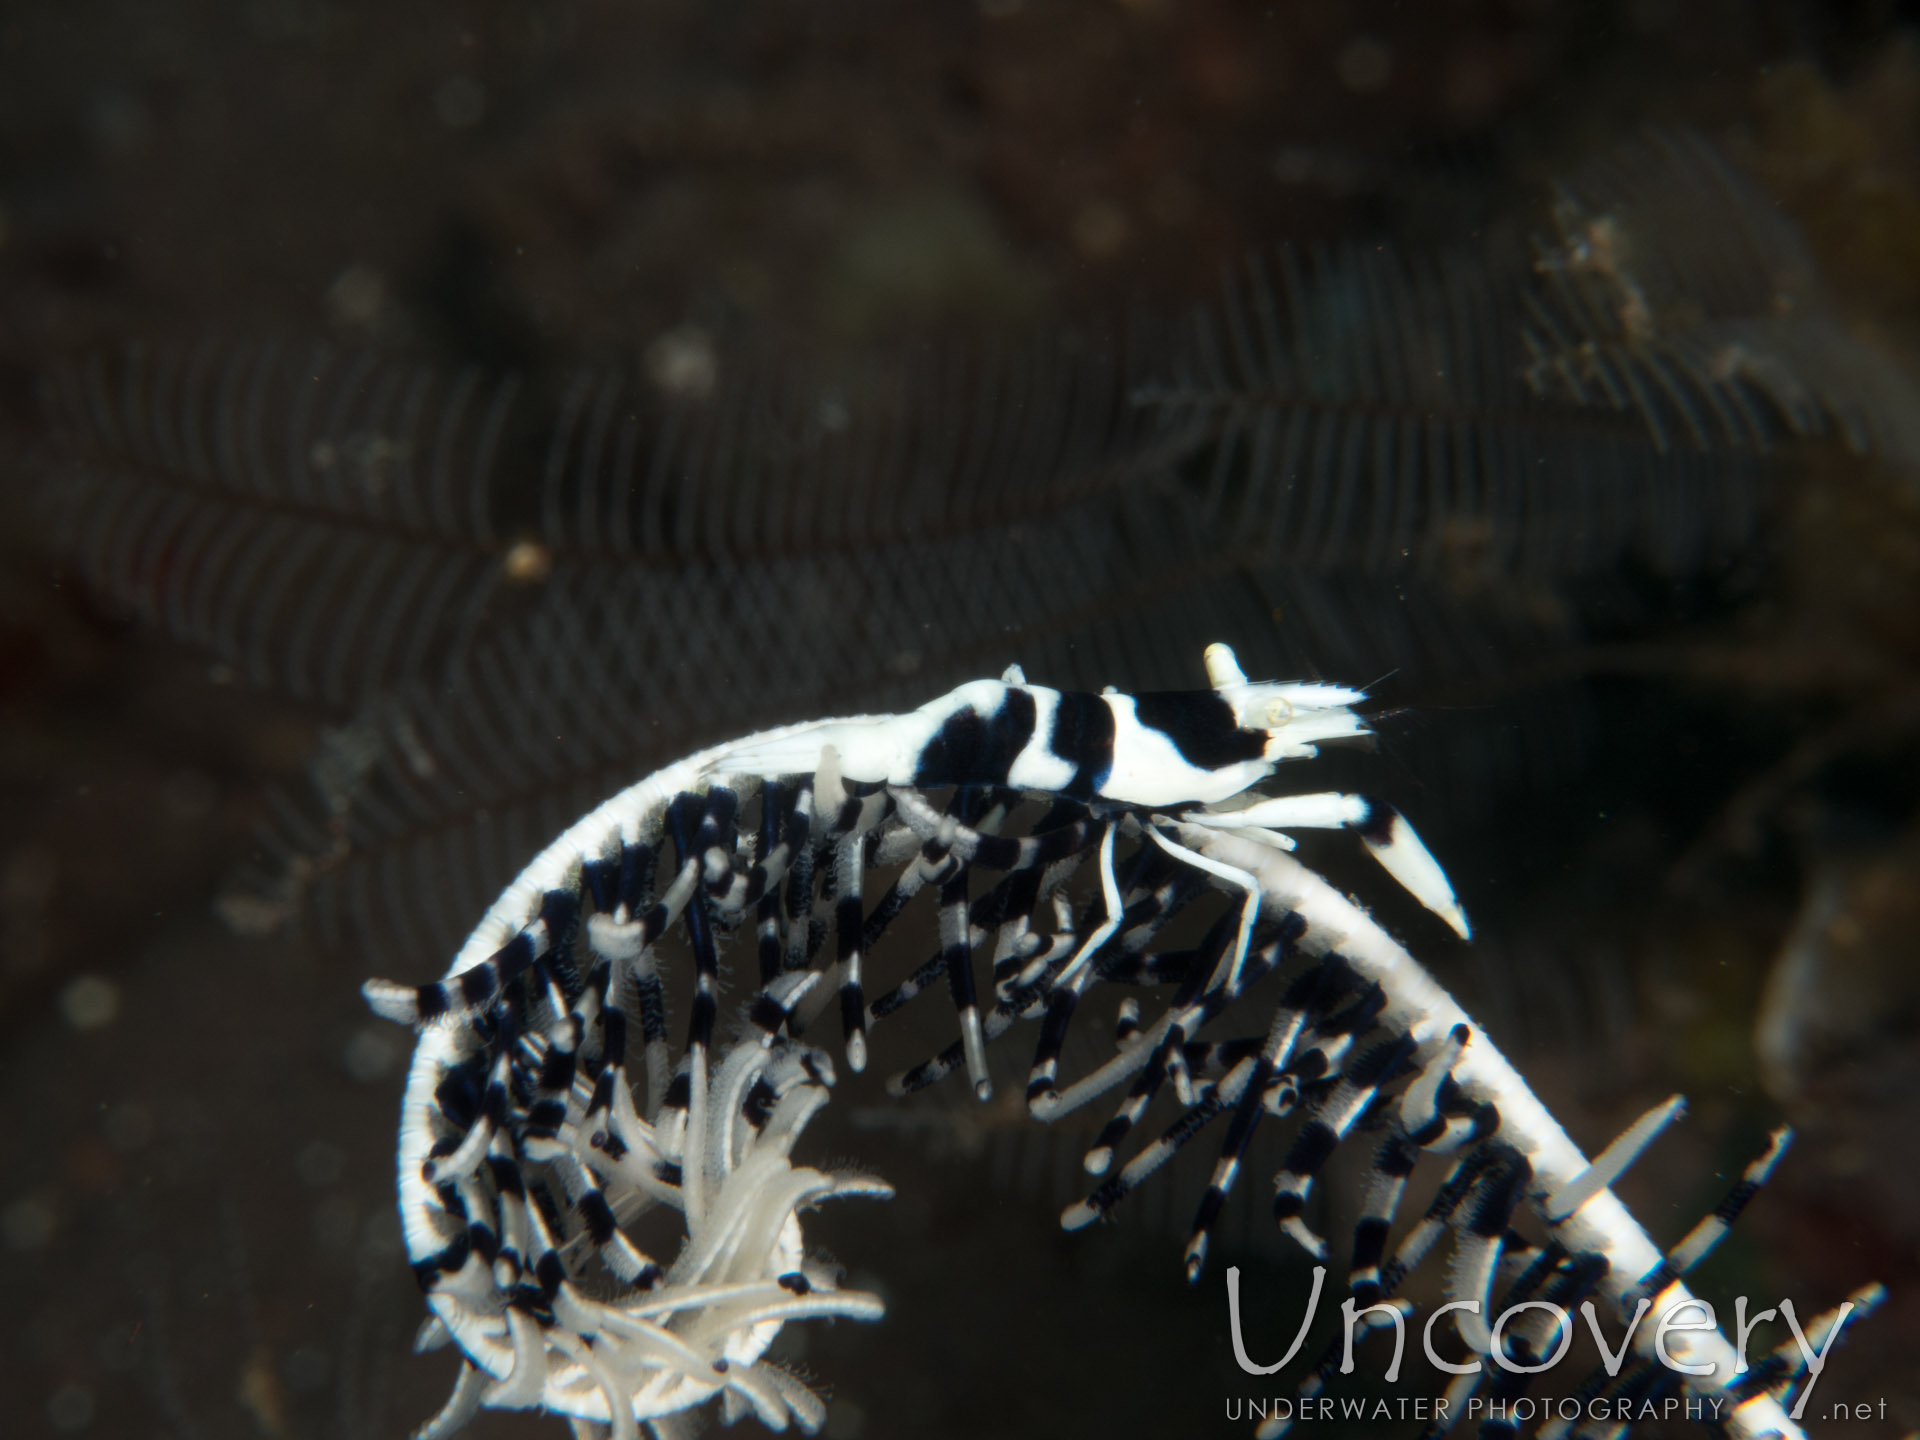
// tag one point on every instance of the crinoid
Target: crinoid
(990, 799)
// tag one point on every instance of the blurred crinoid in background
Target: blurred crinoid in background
(1717, 335)
(481, 578)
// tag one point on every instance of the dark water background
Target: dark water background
(1684, 773)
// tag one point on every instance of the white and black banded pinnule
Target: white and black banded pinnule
(527, 1147)
(524, 1151)
(523, 1161)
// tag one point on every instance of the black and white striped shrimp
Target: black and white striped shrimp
(1176, 750)
(1156, 749)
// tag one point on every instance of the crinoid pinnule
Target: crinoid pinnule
(524, 1164)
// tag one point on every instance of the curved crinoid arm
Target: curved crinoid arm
(529, 1144)
(1364, 1037)
(528, 1150)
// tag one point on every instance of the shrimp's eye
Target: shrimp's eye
(1279, 712)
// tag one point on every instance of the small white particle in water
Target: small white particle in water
(355, 301)
(683, 362)
(129, 1126)
(27, 877)
(334, 1223)
(1172, 200)
(370, 1054)
(1365, 65)
(527, 562)
(320, 1165)
(71, 1408)
(1101, 229)
(29, 1222)
(252, 915)
(90, 1003)
(306, 1369)
(460, 102)
(121, 1349)
(380, 1237)
(188, 796)
(121, 123)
